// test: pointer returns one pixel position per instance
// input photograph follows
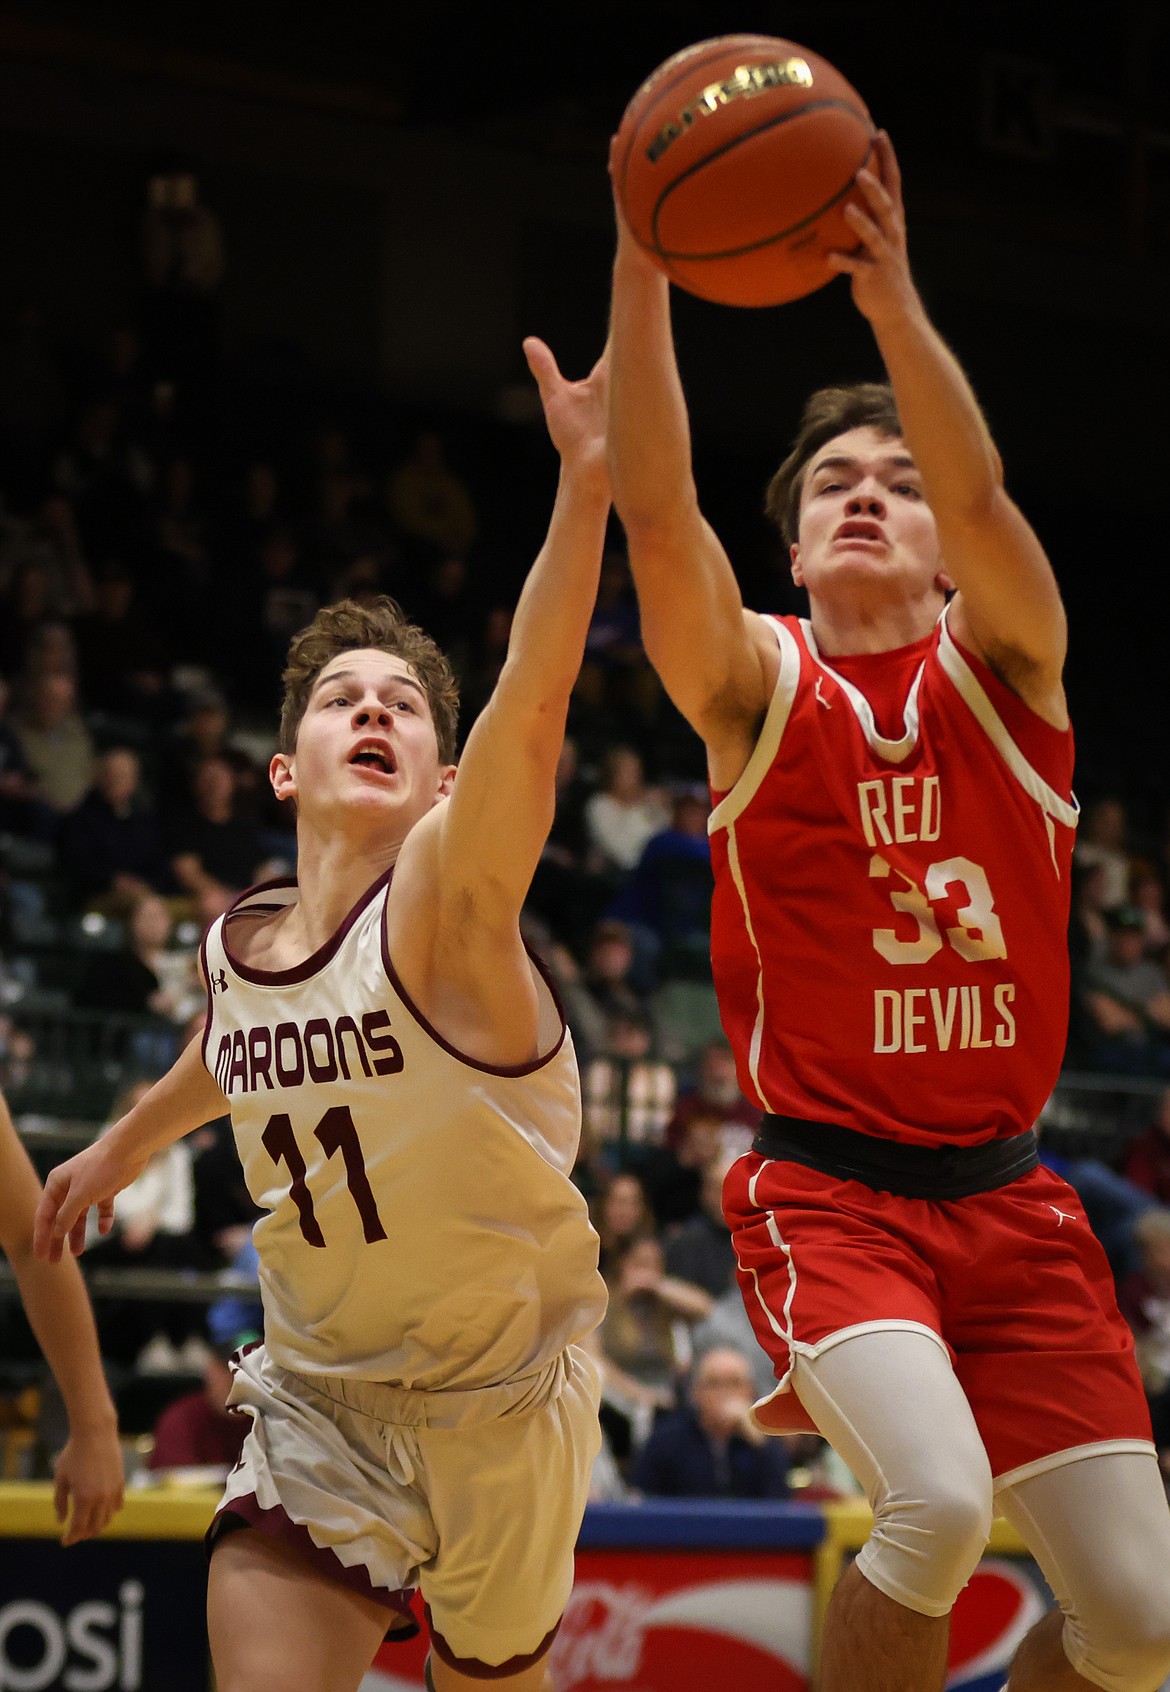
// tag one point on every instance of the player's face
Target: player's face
(366, 743)
(864, 520)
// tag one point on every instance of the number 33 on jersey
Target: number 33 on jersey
(919, 974)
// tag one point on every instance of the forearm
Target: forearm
(552, 617)
(690, 601)
(941, 419)
(649, 431)
(184, 1099)
(58, 1309)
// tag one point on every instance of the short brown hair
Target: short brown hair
(381, 626)
(827, 413)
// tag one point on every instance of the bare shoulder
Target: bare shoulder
(470, 979)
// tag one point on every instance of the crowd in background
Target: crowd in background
(156, 555)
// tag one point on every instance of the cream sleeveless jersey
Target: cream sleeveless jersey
(889, 922)
(421, 1226)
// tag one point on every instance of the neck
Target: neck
(863, 625)
(332, 875)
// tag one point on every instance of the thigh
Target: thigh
(273, 1620)
(507, 1498)
(818, 1256)
(1041, 1350)
(889, 1402)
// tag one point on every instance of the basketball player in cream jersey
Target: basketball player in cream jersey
(405, 1102)
(891, 836)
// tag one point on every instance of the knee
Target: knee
(924, 1549)
(1123, 1645)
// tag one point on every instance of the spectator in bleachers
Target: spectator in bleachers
(106, 477)
(627, 1095)
(48, 542)
(237, 1313)
(1148, 898)
(699, 1250)
(1147, 1158)
(566, 891)
(1127, 1000)
(673, 1174)
(616, 678)
(727, 1323)
(22, 810)
(711, 1448)
(667, 899)
(197, 1430)
(154, 1228)
(716, 1091)
(54, 741)
(147, 976)
(1102, 840)
(214, 852)
(429, 503)
(643, 1344)
(179, 589)
(625, 813)
(1144, 1298)
(24, 604)
(620, 1214)
(111, 844)
(123, 659)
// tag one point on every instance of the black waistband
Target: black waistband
(889, 1166)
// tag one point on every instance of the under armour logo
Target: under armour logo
(219, 981)
(1061, 1215)
(821, 700)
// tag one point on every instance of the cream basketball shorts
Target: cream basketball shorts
(476, 1497)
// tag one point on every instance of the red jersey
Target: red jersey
(889, 925)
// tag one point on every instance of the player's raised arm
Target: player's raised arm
(496, 822)
(184, 1099)
(716, 661)
(1009, 608)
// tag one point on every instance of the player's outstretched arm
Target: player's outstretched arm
(1009, 608)
(496, 822)
(184, 1099)
(88, 1476)
(716, 661)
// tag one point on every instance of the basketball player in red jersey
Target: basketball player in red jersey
(406, 1107)
(892, 833)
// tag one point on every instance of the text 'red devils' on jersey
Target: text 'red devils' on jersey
(890, 915)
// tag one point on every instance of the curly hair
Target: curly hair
(827, 413)
(382, 626)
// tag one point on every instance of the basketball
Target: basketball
(733, 165)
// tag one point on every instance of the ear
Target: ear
(447, 773)
(945, 583)
(282, 775)
(797, 572)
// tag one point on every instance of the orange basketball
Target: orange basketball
(733, 166)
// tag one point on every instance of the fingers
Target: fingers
(77, 1235)
(888, 167)
(541, 362)
(105, 1216)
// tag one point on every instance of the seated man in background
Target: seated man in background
(711, 1448)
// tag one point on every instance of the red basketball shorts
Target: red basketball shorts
(1013, 1282)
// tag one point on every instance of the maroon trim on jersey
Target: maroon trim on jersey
(207, 990)
(485, 1671)
(318, 959)
(429, 1028)
(247, 1512)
